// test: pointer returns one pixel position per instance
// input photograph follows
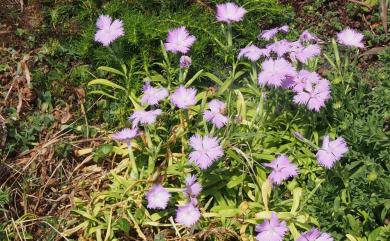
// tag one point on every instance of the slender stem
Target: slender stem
(133, 164)
(229, 36)
(254, 73)
(181, 76)
(151, 159)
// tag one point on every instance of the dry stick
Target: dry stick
(44, 186)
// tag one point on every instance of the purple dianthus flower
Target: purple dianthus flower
(314, 94)
(179, 40)
(183, 98)
(253, 53)
(144, 117)
(282, 169)
(270, 33)
(351, 38)
(193, 189)
(230, 12)
(280, 47)
(314, 235)
(274, 72)
(157, 197)
(107, 30)
(187, 215)
(206, 150)
(306, 36)
(308, 52)
(185, 62)
(153, 95)
(271, 230)
(214, 115)
(303, 77)
(331, 151)
(125, 135)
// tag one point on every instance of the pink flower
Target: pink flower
(303, 77)
(306, 53)
(306, 36)
(271, 230)
(315, 235)
(280, 47)
(125, 135)
(230, 12)
(314, 94)
(193, 189)
(183, 98)
(214, 115)
(282, 169)
(153, 95)
(107, 30)
(253, 53)
(350, 37)
(331, 151)
(206, 151)
(270, 33)
(179, 40)
(157, 197)
(144, 117)
(187, 215)
(185, 62)
(274, 72)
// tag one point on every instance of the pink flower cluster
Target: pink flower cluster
(278, 70)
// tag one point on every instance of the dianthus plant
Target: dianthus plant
(203, 147)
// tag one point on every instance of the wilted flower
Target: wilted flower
(275, 71)
(350, 37)
(282, 169)
(230, 12)
(183, 98)
(206, 150)
(108, 30)
(306, 36)
(144, 117)
(179, 40)
(185, 62)
(153, 95)
(125, 135)
(157, 197)
(214, 115)
(314, 235)
(270, 33)
(314, 94)
(187, 215)
(271, 230)
(331, 151)
(193, 189)
(253, 53)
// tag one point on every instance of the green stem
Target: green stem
(254, 73)
(151, 159)
(229, 36)
(259, 109)
(133, 164)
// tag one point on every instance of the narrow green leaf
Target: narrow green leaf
(105, 82)
(194, 78)
(213, 78)
(111, 70)
(101, 92)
